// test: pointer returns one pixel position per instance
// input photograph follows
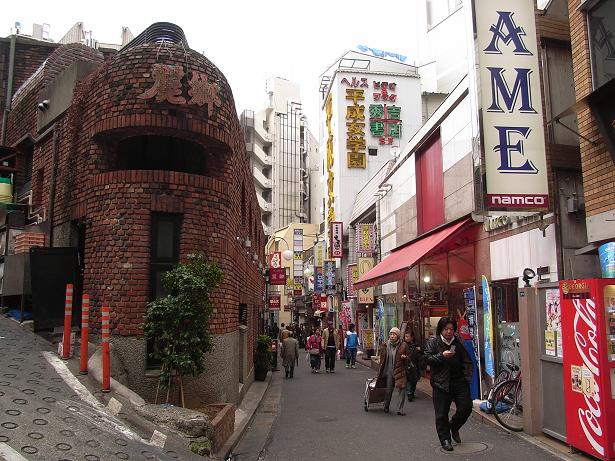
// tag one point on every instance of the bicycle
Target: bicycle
(507, 403)
(510, 371)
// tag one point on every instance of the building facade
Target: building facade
(279, 143)
(138, 161)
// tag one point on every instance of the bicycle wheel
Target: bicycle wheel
(507, 398)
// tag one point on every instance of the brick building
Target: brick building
(593, 54)
(139, 160)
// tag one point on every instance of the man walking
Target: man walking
(290, 355)
(330, 343)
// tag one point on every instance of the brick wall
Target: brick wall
(117, 205)
(598, 167)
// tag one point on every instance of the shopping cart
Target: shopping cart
(373, 394)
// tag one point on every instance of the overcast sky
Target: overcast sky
(248, 40)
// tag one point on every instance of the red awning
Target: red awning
(396, 265)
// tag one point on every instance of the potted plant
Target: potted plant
(262, 358)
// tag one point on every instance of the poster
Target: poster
(368, 338)
(575, 377)
(588, 384)
(488, 328)
(553, 317)
(550, 348)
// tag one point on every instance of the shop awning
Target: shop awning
(396, 265)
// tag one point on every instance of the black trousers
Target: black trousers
(330, 358)
(459, 392)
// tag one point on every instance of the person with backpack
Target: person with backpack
(351, 346)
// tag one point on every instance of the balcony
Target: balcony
(260, 178)
(264, 205)
(265, 136)
(259, 154)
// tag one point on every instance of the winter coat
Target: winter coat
(289, 351)
(412, 365)
(439, 367)
(325, 339)
(399, 367)
(314, 342)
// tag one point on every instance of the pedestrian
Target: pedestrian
(451, 373)
(314, 348)
(283, 332)
(342, 337)
(352, 344)
(275, 331)
(330, 344)
(290, 355)
(392, 374)
(413, 371)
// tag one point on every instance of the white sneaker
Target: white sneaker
(347, 366)
(354, 366)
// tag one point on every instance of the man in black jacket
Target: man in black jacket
(451, 371)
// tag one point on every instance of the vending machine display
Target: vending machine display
(588, 332)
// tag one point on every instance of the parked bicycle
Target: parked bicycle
(506, 399)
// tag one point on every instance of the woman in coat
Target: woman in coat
(392, 375)
(314, 348)
(451, 371)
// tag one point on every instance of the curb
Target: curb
(226, 449)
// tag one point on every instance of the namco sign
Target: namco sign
(509, 95)
(517, 201)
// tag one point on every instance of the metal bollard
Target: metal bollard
(68, 314)
(85, 319)
(106, 361)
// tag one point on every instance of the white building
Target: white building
(279, 144)
(371, 106)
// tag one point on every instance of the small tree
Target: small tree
(178, 324)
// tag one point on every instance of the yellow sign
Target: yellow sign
(330, 176)
(368, 339)
(365, 295)
(355, 133)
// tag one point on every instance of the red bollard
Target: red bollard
(85, 319)
(68, 314)
(106, 362)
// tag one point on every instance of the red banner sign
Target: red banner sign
(277, 276)
(274, 302)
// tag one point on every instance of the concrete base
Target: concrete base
(219, 382)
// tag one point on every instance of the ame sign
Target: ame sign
(512, 119)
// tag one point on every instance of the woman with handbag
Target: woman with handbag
(314, 348)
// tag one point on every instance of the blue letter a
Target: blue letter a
(514, 34)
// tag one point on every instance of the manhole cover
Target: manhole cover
(467, 448)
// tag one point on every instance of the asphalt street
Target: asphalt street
(47, 414)
(321, 416)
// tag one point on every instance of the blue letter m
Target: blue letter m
(501, 92)
(506, 21)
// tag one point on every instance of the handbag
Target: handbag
(315, 351)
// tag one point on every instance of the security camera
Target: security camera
(43, 106)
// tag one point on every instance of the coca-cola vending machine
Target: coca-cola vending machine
(588, 338)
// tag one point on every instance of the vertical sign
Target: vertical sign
(352, 275)
(365, 295)
(277, 273)
(329, 270)
(319, 254)
(355, 122)
(298, 262)
(511, 101)
(319, 280)
(488, 328)
(366, 239)
(274, 302)
(337, 238)
(330, 175)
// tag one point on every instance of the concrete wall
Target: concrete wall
(219, 382)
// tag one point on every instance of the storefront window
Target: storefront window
(601, 23)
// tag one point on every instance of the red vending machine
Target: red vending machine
(588, 339)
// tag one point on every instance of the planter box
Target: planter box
(223, 423)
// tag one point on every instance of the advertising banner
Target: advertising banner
(274, 302)
(366, 239)
(277, 274)
(337, 238)
(352, 275)
(329, 271)
(511, 103)
(298, 262)
(488, 328)
(319, 254)
(365, 295)
(319, 280)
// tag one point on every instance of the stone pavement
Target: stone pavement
(322, 417)
(48, 414)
